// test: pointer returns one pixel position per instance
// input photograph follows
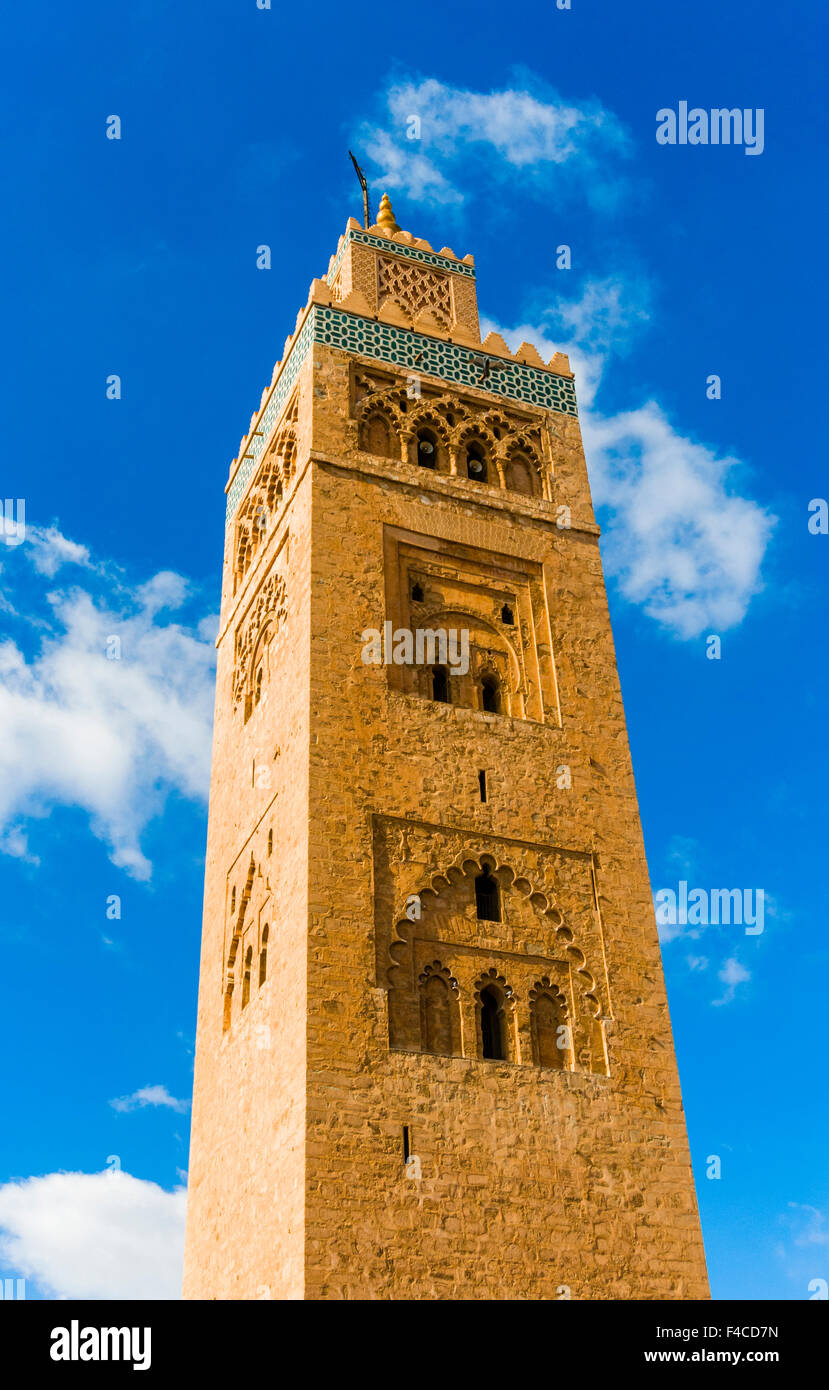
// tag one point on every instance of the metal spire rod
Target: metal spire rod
(364, 185)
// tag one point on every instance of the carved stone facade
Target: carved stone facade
(434, 1058)
(452, 434)
(427, 924)
(414, 289)
(498, 600)
(254, 636)
(266, 496)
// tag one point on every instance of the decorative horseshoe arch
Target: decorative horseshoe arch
(467, 865)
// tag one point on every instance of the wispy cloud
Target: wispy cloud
(111, 709)
(679, 539)
(683, 854)
(150, 1096)
(49, 550)
(429, 133)
(731, 974)
(94, 1235)
(807, 1224)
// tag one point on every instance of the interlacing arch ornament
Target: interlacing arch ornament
(237, 931)
(466, 867)
(513, 447)
(258, 512)
(258, 629)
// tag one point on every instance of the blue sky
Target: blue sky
(137, 257)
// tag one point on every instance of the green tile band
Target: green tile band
(416, 353)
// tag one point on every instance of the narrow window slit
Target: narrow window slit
(440, 684)
(492, 1032)
(487, 898)
(489, 695)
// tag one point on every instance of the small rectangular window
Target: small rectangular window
(482, 784)
(406, 1146)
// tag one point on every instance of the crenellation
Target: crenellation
(485, 974)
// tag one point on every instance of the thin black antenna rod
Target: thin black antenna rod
(363, 184)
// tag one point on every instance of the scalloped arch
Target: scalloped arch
(427, 417)
(468, 864)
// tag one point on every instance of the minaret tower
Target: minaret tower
(434, 1058)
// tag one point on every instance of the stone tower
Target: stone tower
(434, 1057)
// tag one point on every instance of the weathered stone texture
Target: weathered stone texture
(533, 1178)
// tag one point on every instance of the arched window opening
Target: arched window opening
(490, 695)
(546, 1020)
(263, 958)
(475, 463)
(492, 1026)
(378, 437)
(507, 615)
(246, 976)
(417, 593)
(437, 1017)
(427, 454)
(521, 476)
(440, 684)
(487, 897)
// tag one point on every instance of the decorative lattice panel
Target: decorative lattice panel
(414, 288)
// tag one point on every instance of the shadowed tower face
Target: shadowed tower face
(434, 1058)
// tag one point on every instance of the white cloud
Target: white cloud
(809, 1226)
(406, 169)
(94, 1235)
(683, 853)
(48, 550)
(678, 538)
(512, 129)
(731, 974)
(113, 736)
(680, 541)
(150, 1095)
(607, 314)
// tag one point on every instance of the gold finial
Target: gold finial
(385, 217)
